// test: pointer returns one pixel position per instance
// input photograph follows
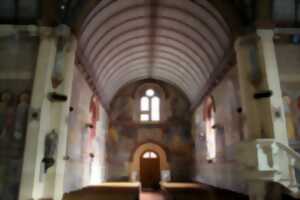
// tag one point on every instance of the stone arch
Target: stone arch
(137, 154)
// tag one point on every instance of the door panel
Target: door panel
(150, 172)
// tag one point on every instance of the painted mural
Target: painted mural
(291, 100)
(215, 156)
(86, 138)
(288, 62)
(18, 57)
(127, 131)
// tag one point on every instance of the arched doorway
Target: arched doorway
(149, 169)
(157, 157)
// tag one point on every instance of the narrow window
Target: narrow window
(209, 118)
(150, 107)
(155, 109)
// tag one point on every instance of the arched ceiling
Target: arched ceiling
(181, 42)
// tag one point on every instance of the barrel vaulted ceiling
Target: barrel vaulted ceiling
(180, 42)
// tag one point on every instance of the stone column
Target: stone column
(62, 125)
(31, 184)
(260, 87)
(261, 95)
(270, 72)
(48, 115)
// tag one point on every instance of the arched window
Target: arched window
(150, 107)
(149, 155)
(209, 118)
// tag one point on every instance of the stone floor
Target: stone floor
(169, 191)
(152, 196)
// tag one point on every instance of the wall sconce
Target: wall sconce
(55, 97)
(263, 94)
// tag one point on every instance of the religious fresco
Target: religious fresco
(217, 128)
(126, 132)
(18, 57)
(86, 137)
(291, 102)
(13, 122)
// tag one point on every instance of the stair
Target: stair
(268, 160)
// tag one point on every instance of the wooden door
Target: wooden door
(150, 171)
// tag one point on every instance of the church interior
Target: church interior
(149, 99)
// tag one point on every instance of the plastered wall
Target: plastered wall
(126, 132)
(222, 172)
(86, 138)
(18, 55)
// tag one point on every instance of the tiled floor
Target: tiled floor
(151, 196)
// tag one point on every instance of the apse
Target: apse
(184, 43)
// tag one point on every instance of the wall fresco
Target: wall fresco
(126, 132)
(18, 59)
(228, 125)
(86, 138)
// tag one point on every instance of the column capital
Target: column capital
(265, 34)
(63, 30)
(45, 32)
(246, 40)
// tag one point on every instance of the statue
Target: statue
(50, 149)
(21, 116)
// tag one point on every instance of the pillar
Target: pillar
(61, 113)
(260, 87)
(46, 116)
(31, 186)
(261, 95)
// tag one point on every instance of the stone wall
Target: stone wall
(127, 132)
(86, 138)
(18, 53)
(288, 57)
(222, 172)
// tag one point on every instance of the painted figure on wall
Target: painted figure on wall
(209, 118)
(21, 116)
(94, 111)
(178, 108)
(6, 115)
(122, 109)
(287, 101)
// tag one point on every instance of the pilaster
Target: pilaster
(48, 115)
(262, 104)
